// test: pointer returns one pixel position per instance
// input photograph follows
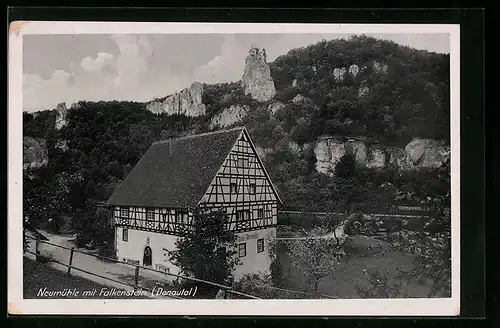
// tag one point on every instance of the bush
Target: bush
(346, 167)
(353, 224)
(383, 284)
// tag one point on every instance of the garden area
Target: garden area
(362, 256)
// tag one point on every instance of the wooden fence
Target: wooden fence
(308, 219)
(135, 286)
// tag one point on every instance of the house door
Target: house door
(147, 259)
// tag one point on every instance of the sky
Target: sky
(69, 68)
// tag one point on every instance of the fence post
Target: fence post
(136, 283)
(37, 252)
(71, 259)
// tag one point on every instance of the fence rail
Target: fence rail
(291, 292)
(323, 214)
(136, 267)
(136, 287)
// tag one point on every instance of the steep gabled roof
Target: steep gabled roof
(177, 172)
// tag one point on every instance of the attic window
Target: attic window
(124, 212)
(233, 187)
(251, 188)
(150, 215)
(181, 216)
(242, 162)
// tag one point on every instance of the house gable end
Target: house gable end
(242, 177)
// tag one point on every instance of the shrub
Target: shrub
(346, 167)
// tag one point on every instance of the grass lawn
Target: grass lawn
(351, 271)
(38, 276)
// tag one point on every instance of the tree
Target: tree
(275, 268)
(382, 283)
(208, 249)
(346, 167)
(257, 284)
(316, 256)
(93, 226)
(434, 259)
(43, 199)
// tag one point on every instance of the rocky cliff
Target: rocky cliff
(35, 153)
(419, 153)
(257, 80)
(275, 106)
(61, 114)
(229, 116)
(187, 102)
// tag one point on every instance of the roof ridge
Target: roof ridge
(199, 135)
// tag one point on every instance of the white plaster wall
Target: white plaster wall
(133, 249)
(254, 262)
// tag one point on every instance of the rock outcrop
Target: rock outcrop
(61, 114)
(377, 157)
(426, 153)
(275, 106)
(298, 99)
(229, 116)
(354, 70)
(396, 156)
(188, 102)
(380, 67)
(328, 152)
(76, 105)
(339, 73)
(257, 80)
(419, 153)
(363, 89)
(35, 153)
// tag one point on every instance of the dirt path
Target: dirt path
(112, 270)
(40, 281)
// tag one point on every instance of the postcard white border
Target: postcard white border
(347, 307)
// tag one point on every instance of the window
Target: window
(260, 245)
(252, 188)
(233, 187)
(242, 162)
(242, 249)
(242, 215)
(150, 215)
(260, 213)
(181, 217)
(125, 234)
(124, 212)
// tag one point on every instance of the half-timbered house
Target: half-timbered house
(218, 170)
